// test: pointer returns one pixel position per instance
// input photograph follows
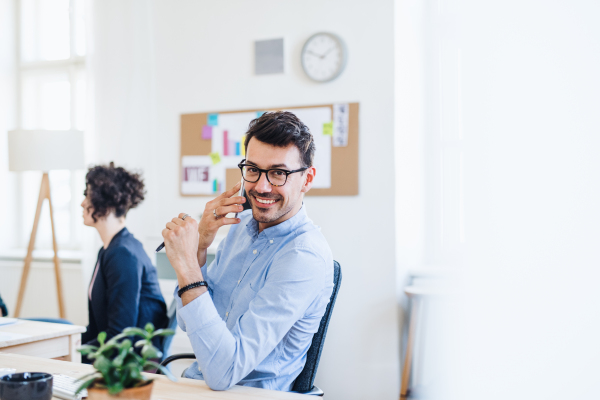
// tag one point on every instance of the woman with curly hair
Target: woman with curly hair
(124, 289)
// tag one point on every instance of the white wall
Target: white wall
(153, 61)
(531, 99)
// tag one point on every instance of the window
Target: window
(51, 95)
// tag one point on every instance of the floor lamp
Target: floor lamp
(44, 151)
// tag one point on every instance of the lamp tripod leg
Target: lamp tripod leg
(59, 293)
(29, 256)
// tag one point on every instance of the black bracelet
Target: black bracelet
(191, 286)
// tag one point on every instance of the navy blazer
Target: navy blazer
(125, 292)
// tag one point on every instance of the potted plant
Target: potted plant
(119, 368)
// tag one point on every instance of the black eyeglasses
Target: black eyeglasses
(276, 177)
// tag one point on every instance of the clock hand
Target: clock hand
(328, 51)
(314, 54)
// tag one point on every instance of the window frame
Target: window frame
(73, 67)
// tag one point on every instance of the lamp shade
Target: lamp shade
(45, 150)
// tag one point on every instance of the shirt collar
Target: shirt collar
(281, 229)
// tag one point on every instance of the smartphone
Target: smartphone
(243, 193)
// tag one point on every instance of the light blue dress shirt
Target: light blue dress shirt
(268, 292)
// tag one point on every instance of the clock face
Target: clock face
(323, 57)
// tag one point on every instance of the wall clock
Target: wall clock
(323, 57)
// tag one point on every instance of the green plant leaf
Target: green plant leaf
(161, 368)
(87, 349)
(115, 388)
(163, 332)
(101, 338)
(133, 331)
(149, 351)
(85, 384)
(135, 371)
(95, 374)
(103, 365)
(149, 327)
(116, 338)
(123, 352)
(141, 342)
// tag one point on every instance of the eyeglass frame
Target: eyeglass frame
(241, 165)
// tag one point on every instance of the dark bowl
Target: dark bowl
(25, 386)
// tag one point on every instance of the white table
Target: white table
(42, 339)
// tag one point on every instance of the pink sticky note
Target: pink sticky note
(207, 132)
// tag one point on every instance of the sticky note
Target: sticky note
(259, 114)
(328, 129)
(213, 119)
(215, 158)
(207, 132)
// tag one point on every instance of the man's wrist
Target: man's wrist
(192, 273)
(192, 294)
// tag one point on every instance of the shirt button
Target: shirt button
(254, 251)
(271, 240)
(239, 281)
(227, 314)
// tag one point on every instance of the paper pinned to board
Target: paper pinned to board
(196, 175)
(207, 132)
(314, 118)
(215, 158)
(341, 122)
(213, 119)
(328, 128)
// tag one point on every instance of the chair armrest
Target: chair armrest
(315, 391)
(174, 357)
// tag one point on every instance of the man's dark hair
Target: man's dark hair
(280, 128)
(113, 188)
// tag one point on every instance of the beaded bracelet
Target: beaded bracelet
(191, 286)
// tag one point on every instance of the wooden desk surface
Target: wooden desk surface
(31, 331)
(164, 389)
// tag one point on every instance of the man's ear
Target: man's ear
(308, 179)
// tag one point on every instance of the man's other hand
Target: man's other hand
(221, 206)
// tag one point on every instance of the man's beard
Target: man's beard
(262, 215)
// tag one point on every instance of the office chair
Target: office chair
(304, 383)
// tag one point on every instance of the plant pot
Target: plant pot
(138, 393)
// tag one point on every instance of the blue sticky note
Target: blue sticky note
(259, 113)
(213, 119)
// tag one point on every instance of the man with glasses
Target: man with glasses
(251, 314)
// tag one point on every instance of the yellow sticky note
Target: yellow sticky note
(242, 147)
(328, 129)
(215, 158)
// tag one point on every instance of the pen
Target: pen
(162, 245)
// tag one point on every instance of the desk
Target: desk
(42, 339)
(164, 389)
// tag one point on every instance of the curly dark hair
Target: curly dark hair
(111, 188)
(279, 129)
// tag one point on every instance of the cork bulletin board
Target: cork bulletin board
(212, 146)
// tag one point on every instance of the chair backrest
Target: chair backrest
(304, 382)
(3, 309)
(172, 316)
